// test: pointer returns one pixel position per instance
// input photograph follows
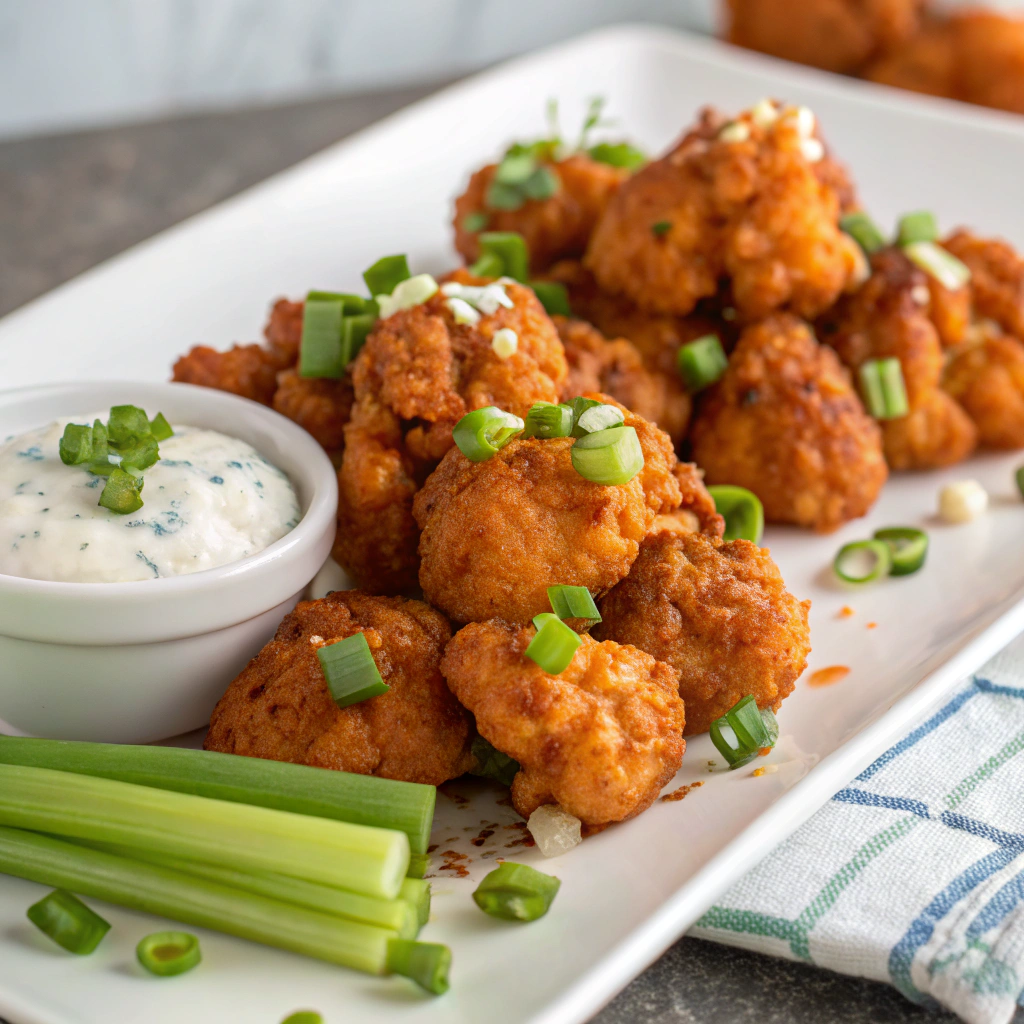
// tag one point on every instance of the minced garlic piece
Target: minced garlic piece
(963, 501)
(505, 342)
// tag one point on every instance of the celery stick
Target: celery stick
(416, 892)
(418, 865)
(372, 861)
(357, 799)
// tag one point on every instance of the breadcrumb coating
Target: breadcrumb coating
(319, 405)
(987, 379)
(246, 370)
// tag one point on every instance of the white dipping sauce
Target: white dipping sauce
(210, 500)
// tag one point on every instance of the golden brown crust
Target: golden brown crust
(246, 370)
(601, 739)
(280, 706)
(754, 212)
(284, 330)
(987, 379)
(997, 278)
(926, 63)
(785, 422)
(319, 405)
(718, 613)
(553, 228)
(696, 512)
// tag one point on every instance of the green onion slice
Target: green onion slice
(702, 362)
(350, 670)
(863, 230)
(881, 384)
(484, 432)
(492, 763)
(618, 154)
(661, 228)
(355, 329)
(553, 645)
(863, 561)
(569, 602)
(742, 511)
(515, 168)
(511, 249)
(426, 963)
(940, 264)
(140, 456)
(579, 407)
(490, 264)
(542, 184)
(553, 297)
(608, 457)
(122, 492)
(598, 417)
(919, 226)
(386, 274)
(160, 428)
(545, 419)
(503, 197)
(1019, 477)
(169, 953)
(320, 348)
(516, 892)
(303, 1017)
(907, 546)
(474, 222)
(69, 922)
(743, 731)
(127, 426)
(75, 446)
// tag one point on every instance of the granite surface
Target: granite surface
(67, 202)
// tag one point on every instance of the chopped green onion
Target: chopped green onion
(490, 264)
(702, 362)
(484, 432)
(515, 168)
(863, 561)
(516, 892)
(367, 860)
(303, 1017)
(121, 494)
(608, 457)
(419, 865)
(492, 763)
(355, 329)
(908, 547)
(510, 248)
(618, 154)
(349, 303)
(169, 953)
(140, 456)
(406, 294)
(743, 731)
(881, 384)
(542, 184)
(742, 511)
(569, 602)
(503, 197)
(75, 446)
(474, 222)
(598, 417)
(579, 407)
(387, 273)
(320, 792)
(160, 428)
(1019, 477)
(320, 347)
(545, 419)
(426, 963)
(69, 922)
(863, 230)
(127, 426)
(940, 264)
(191, 900)
(553, 645)
(661, 228)
(553, 297)
(351, 673)
(100, 464)
(919, 226)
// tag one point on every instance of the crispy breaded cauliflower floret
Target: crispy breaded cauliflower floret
(785, 422)
(319, 405)
(280, 706)
(418, 373)
(741, 202)
(696, 512)
(553, 228)
(997, 278)
(283, 330)
(987, 379)
(601, 739)
(246, 370)
(719, 614)
(888, 317)
(616, 367)
(836, 35)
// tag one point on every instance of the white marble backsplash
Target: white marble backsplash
(75, 63)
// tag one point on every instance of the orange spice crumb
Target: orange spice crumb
(828, 676)
(872, 625)
(765, 751)
(845, 612)
(682, 791)
(768, 769)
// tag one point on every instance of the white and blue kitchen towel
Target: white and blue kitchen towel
(914, 872)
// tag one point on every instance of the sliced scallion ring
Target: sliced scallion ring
(160, 428)
(908, 547)
(553, 645)
(351, 673)
(950, 272)
(579, 407)
(169, 953)
(743, 731)
(599, 417)
(863, 561)
(122, 492)
(474, 222)
(510, 249)
(702, 362)
(742, 511)
(426, 963)
(484, 432)
(919, 226)
(553, 297)
(69, 922)
(320, 348)
(608, 457)
(386, 274)
(75, 446)
(516, 892)
(569, 602)
(882, 387)
(545, 419)
(863, 230)
(618, 154)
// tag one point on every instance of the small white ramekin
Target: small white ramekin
(136, 662)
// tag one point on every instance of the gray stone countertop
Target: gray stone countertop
(69, 201)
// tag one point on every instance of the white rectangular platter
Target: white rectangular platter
(630, 891)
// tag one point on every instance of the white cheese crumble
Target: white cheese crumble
(812, 150)
(963, 501)
(805, 122)
(487, 298)
(920, 294)
(463, 312)
(408, 293)
(764, 113)
(554, 830)
(735, 131)
(505, 343)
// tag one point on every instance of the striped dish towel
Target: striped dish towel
(913, 873)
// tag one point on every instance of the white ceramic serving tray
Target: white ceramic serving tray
(629, 892)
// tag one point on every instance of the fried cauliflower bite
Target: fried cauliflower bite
(696, 512)
(889, 317)
(246, 370)
(925, 63)
(719, 614)
(284, 330)
(740, 202)
(319, 405)
(281, 708)
(987, 379)
(553, 228)
(836, 35)
(417, 375)
(785, 422)
(997, 278)
(600, 739)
